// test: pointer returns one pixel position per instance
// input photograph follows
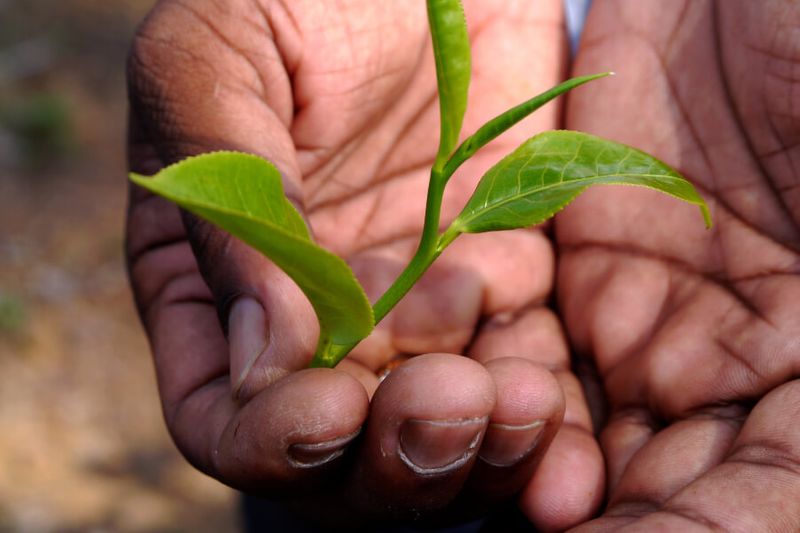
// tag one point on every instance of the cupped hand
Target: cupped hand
(341, 97)
(695, 334)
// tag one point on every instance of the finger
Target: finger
(755, 488)
(308, 415)
(671, 458)
(438, 314)
(515, 267)
(526, 417)
(368, 379)
(551, 500)
(534, 333)
(624, 435)
(426, 425)
(567, 487)
(292, 432)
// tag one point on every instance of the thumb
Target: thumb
(184, 105)
(270, 325)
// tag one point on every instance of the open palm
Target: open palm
(695, 334)
(341, 98)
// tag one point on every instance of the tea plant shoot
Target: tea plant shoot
(242, 194)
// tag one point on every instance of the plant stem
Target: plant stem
(426, 253)
(431, 245)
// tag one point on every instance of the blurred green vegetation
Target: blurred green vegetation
(13, 315)
(61, 74)
(39, 126)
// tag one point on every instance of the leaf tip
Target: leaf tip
(139, 179)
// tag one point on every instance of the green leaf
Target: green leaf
(243, 195)
(549, 170)
(452, 56)
(502, 122)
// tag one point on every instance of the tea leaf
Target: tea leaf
(502, 122)
(549, 170)
(243, 195)
(451, 53)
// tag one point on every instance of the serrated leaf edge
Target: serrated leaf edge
(460, 225)
(180, 200)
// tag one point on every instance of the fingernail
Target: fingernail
(507, 445)
(430, 447)
(248, 336)
(319, 453)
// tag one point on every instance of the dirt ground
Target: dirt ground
(82, 443)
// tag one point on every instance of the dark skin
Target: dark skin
(342, 99)
(693, 333)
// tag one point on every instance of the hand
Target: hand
(694, 333)
(341, 98)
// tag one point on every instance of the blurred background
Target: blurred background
(82, 443)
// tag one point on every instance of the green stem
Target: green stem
(431, 245)
(427, 251)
